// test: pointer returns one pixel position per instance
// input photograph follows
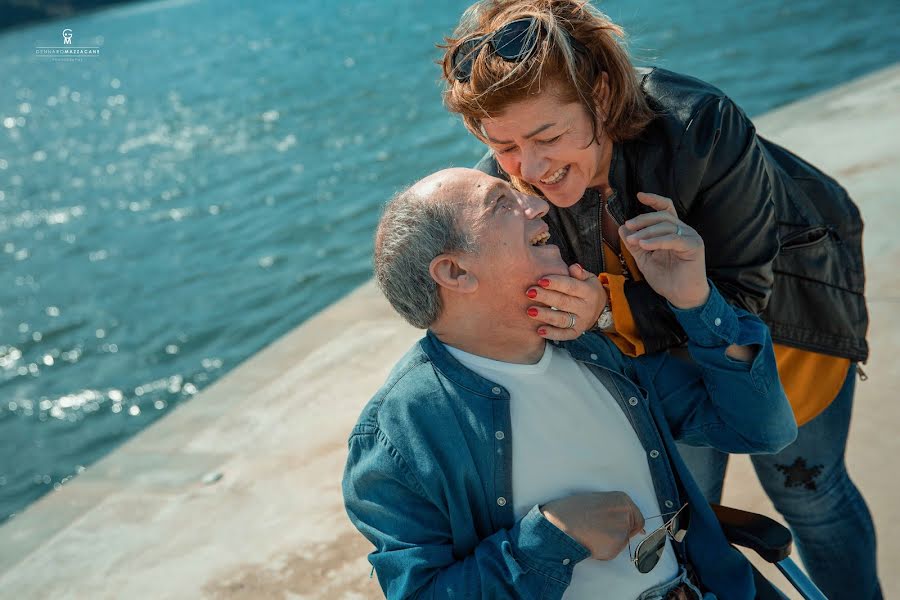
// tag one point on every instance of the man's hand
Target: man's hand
(669, 253)
(602, 522)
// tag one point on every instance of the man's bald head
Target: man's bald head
(446, 183)
(417, 225)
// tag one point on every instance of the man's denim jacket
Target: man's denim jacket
(428, 477)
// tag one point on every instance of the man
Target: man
(493, 464)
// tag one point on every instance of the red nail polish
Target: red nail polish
(532, 312)
(542, 331)
(544, 283)
(531, 293)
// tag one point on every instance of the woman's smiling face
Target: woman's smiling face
(550, 145)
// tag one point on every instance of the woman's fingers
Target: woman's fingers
(577, 301)
(664, 233)
(678, 243)
(565, 302)
(556, 323)
(660, 229)
(624, 234)
(648, 219)
(548, 332)
(564, 284)
(580, 273)
(657, 202)
(561, 319)
(581, 296)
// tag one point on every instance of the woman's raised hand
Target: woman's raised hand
(669, 253)
(576, 302)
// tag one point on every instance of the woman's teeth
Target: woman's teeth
(556, 177)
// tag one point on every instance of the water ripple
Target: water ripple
(170, 209)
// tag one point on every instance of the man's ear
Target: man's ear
(448, 273)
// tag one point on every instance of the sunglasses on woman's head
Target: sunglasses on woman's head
(650, 550)
(514, 42)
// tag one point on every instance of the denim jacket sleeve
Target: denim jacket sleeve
(414, 555)
(714, 400)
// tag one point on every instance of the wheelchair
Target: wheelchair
(772, 541)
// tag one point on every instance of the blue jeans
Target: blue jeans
(660, 591)
(809, 485)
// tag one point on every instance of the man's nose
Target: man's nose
(534, 207)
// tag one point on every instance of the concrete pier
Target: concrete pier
(236, 494)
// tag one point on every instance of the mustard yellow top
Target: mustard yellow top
(811, 380)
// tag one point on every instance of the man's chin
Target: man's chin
(551, 261)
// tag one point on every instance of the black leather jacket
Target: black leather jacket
(783, 239)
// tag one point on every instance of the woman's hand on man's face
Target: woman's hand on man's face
(580, 295)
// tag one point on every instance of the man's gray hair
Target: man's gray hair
(414, 230)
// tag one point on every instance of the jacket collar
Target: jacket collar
(453, 370)
(590, 348)
(618, 182)
(594, 349)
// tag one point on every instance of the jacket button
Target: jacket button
(499, 435)
(718, 321)
(566, 561)
(593, 357)
(669, 504)
(654, 453)
(633, 401)
(501, 501)
(496, 390)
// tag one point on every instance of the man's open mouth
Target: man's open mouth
(540, 239)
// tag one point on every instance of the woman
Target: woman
(547, 85)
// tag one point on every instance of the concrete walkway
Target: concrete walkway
(236, 494)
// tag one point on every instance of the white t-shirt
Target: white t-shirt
(569, 435)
